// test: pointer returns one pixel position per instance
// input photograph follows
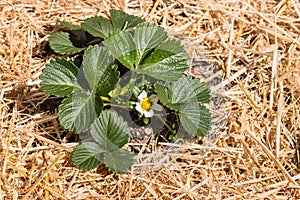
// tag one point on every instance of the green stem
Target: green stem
(132, 81)
(166, 124)
(115, 105)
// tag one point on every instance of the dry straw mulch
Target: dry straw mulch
(254, 44)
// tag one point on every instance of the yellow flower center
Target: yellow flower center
(145, 104)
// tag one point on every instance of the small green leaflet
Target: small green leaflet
(78, 112)
(98, 26)
(59, 77)
(123, 48)
(122, 21)
(87, 155)
(147, 37)
(71, 41)
(186, 89)
(110, 130)
(195, 119)
(99, 71)
(104, 28)
(119, 161)
(108, 81)
(167, 62)
(60, 42)
(164, 96)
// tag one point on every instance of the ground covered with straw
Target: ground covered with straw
(255, 47)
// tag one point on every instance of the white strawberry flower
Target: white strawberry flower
(146, 104)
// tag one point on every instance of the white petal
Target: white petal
(143, 95)
(139, 108)
(149, 113)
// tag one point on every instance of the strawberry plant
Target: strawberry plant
(156, 62)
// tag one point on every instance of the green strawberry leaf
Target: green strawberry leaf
(61, 43)
(185, 96)
(195, 119)
(104, 28)
(187, 89)
(87, 155)
(122, 21)
(167, 62)
(164, 95)
(78, 112)
(59, 77)
(123, 48)
(147, 37)
(98, 27)
(119, 161)
(110, 130)
(99, 71)
(108, 81)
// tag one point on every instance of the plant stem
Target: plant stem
(115, 105)
(166, 124)
(133, 80)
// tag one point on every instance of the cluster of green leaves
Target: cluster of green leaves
(143, 48)
(111, 133)
(186, 96)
